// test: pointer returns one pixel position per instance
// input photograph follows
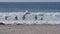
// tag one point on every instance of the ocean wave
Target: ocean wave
(30, 17)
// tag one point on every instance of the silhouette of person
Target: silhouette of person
(16, 18)
(23, 17)
(6, 17)
(41, 18)
(35, 17)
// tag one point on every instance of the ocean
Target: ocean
(30, 6)
(30, 12)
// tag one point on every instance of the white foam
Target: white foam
(48, 18)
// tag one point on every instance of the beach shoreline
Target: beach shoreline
(30, 29)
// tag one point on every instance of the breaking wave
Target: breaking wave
(30, 17)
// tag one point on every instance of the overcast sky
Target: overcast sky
(29, 0)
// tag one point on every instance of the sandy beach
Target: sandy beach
(29, 29)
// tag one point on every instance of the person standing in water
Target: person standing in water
(35, 17)
(6, 17)
(16, 18)
(41, 18)
(41, 15)
(23, 17)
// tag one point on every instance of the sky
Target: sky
(29, 0)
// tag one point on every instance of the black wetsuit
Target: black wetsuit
(36, 17)
(16, 18)
(6, 17)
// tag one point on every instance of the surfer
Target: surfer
(23, 17)
(35, 17)
(6, 17)
(41, 15)
(16, 18)
(41, 18)
(25, 14)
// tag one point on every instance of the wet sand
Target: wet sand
(29, 29)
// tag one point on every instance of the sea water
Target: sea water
(30, 6)
(46, 12)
